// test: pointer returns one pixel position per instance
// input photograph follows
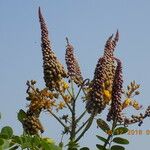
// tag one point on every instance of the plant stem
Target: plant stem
(72, 88)
(81, 87)
(110, 135)
(69, 93)
(80, 117)
(86, 128)
(73, 122)
(57, 118)
(80, 128)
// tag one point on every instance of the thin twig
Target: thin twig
(57, 118)
(86, 128)
(82, 126)
(66, 102)
(69, 93)
(80, 117)
(81, 87)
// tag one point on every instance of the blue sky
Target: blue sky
(87, 23)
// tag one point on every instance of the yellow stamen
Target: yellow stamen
(126, 103)
(107, 96)
(61, 105)
(136, 105)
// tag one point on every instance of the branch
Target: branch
(66, 102)
(80, 117)
(82, 125)
(86, 128)
(57, 119)
(81, 88)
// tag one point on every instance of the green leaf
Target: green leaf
(1, 141)
(5, 145)
(4, 136)
(100, 147)
(7, 131)
(25, 145)
(84, 148)
(48, 146)
(21, 115)
(103, 125)
(120, 130)
(117, 147)
(120, 140)
(72, 144)
(36, 141)
(101, 138)
(17, 139)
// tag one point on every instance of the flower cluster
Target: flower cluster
(132, 90)
(32, 125)
(41, 100)
(104, 90)
(101, 86)
(72, 65)
(137, 118)
(116, 105)
(53, 69)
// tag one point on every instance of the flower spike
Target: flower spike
(116, 105)
(72, 65)
(95, 102)
(53, 69)
(101, 87)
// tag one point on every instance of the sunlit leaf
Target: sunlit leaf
(103, 125)
(120, 140)
(36, 140)
(5, 145)
(120, 130)
(7, 131)
(48, 146)
(25, 145)
(117, 147)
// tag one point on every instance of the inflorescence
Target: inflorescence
(74, 71)
(101, 86)
(53, 69)
(106, 88)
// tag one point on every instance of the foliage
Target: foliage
(10, 141)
